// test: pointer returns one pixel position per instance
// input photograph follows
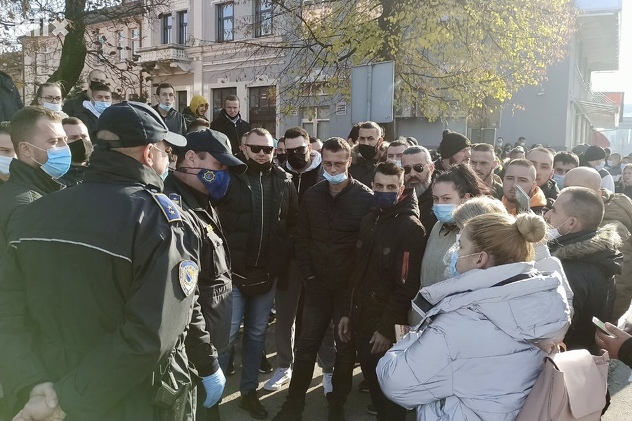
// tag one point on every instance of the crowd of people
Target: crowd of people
(137, 243)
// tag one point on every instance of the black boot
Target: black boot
(250, 402)
(289, 412)
(336, 412)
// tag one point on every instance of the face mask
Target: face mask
(5, 162)
(443, 212)
(281, 157)
(384, 199)
(559, 180)
(297, 161)
(600, 166)
(58, 162)
(165, 174)
(398, 163)
(454, 272)
(254, 165)
(101, 106)
(554, 233)
(51, 106)
(164, 107)
(335, 179)
(216, 182)
(78, 150)
(367, 151)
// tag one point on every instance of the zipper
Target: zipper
(261, 234)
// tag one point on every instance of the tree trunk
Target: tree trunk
(73, 53)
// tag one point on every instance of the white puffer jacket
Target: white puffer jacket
(475, 355)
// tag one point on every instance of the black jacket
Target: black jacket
(386, 278)
(74, 106)
(174, 121)
(304, 180)
(234, 130)
(98, 304)
(25, 185)
(10, 100)
(190, 116)
(426, 215)
(328, 230)
(590, 260)
(236, 212)
(89, 119)
(362, 170)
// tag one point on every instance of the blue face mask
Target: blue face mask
(385, 200)
(453, 259)
(443, 212)
(58, 163)
(101, 106)
(215, 181)
(600, 166)
(5, 163)
(335, 179)
(165, 174)
(164, 107)
(559, 180)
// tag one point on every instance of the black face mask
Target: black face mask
(281, 157)
(80, 150)
(298, 161)
(255, 166)
(367, 151)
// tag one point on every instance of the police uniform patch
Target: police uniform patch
(169, 209)
(188, 274)
(175, 198)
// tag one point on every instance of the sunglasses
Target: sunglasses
(299, 151)
(417, 167)
(257, 148)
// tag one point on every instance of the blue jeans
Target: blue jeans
(254, 311)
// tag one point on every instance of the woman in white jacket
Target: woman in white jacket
(479, 348)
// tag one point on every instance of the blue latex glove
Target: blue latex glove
(214, 386)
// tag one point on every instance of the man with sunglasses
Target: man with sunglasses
(418, 169)
(303, 163)
(258, 213)
(370, 138)
(202, 176)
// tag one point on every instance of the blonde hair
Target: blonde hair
(506, 239)
(476, 206)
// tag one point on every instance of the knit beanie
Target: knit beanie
(594, 153)
(452, 143)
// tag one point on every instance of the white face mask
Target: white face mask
(5, 162)
(554, 233)
(51, 106)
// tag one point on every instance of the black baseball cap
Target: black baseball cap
(136, 124)
(215, 143)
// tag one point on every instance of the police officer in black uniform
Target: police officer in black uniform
(201, 176)
(98, 293)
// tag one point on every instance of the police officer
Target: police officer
(94, 310)
(202, 175)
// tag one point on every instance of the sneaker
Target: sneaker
(363, 386)
(265, 366)
(370, 408)
(280, 377)
(250, 402)
(328, 387)
(288, 413)
(336, 413)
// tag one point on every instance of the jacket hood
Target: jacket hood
(599, 247)
(618, 207)
(534, 309)
(196, 101)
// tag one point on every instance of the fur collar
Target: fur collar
(605, 238)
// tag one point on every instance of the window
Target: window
(135, 40)
(219, 95)
(183, 33)
(120, 45)
(262, 112)
(316, 121)
(183, 100)
(263, 18)
(225, 14)
(167, 26)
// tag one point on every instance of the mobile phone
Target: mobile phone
(523, 199)
(601, 326)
